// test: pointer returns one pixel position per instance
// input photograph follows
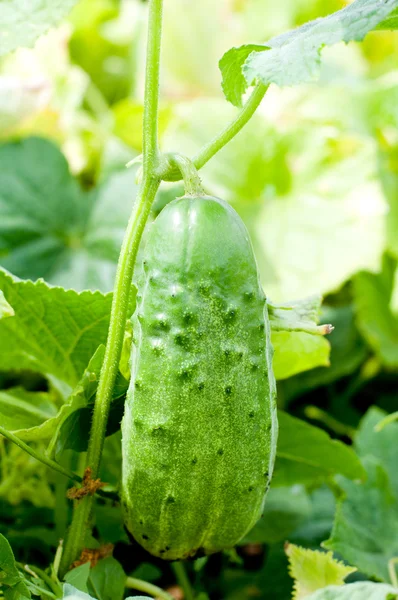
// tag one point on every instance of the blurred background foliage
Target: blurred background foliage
(314, 176)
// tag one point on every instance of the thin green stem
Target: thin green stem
(148, 588)
(190, 175)
(225, 136)
(317, 414)
(183, 580)
(151, 111)
(119, 312)
(56, 589)
(222, 139)
(82, 508)
(49, 462)
(40, 457)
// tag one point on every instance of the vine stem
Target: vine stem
(190, 175)
(40, 457)
(148, 588)
(119, 313)
(170, 173)
(226, 135)
(183, 580)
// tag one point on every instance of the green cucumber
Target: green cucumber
(200, 429)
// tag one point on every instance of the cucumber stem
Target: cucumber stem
(170, 173)
(190, 175)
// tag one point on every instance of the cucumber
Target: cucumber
(199, 429)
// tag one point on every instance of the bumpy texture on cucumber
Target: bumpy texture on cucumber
(199, 430)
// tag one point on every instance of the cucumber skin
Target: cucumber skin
(200, 428)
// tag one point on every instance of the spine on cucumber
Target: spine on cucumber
(200, 429)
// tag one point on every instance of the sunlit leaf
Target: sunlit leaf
(313, 570)
(40, 14)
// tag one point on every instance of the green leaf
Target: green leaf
(313, 570)
(5, 309)
(72, 424)
(147, 572)
(74, 594)
(390, 23)
(54, 332)
(363, 590)
(348, 352)
(319, 524)
(109, 518)
(9, 574)
(41, 15)
(316, 237)
(296, 337)
(21, 410)
(296, 352)
(306, 454)
(301, 316)
(285, 509)
(107, 580)
(50, 228)
(375, 319)
(365, 531)
(294, 57)
(234, 83)
(381, 445)
(78, 577)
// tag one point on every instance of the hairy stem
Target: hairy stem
(222, 139)
(119, 312)
(148, 588)
(170, 173)
(190, 175)
(38, 456)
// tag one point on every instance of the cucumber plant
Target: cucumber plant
(199, 431)
(281, 61)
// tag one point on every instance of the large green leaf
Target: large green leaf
(375, 318)
(296, 352)
(21, 410)
(294, 326)
(5, 309)
(54, 332)
(381, 444)
(72, 593)
(294, 57)
(22, 23)
(365, 531)
(307, 454)
(319, 524)
(70, 429)
(348, 351)
(285, 509)
(390, 23)
(107, 580)
(363, 590)
(50, 228)
(10, 577)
